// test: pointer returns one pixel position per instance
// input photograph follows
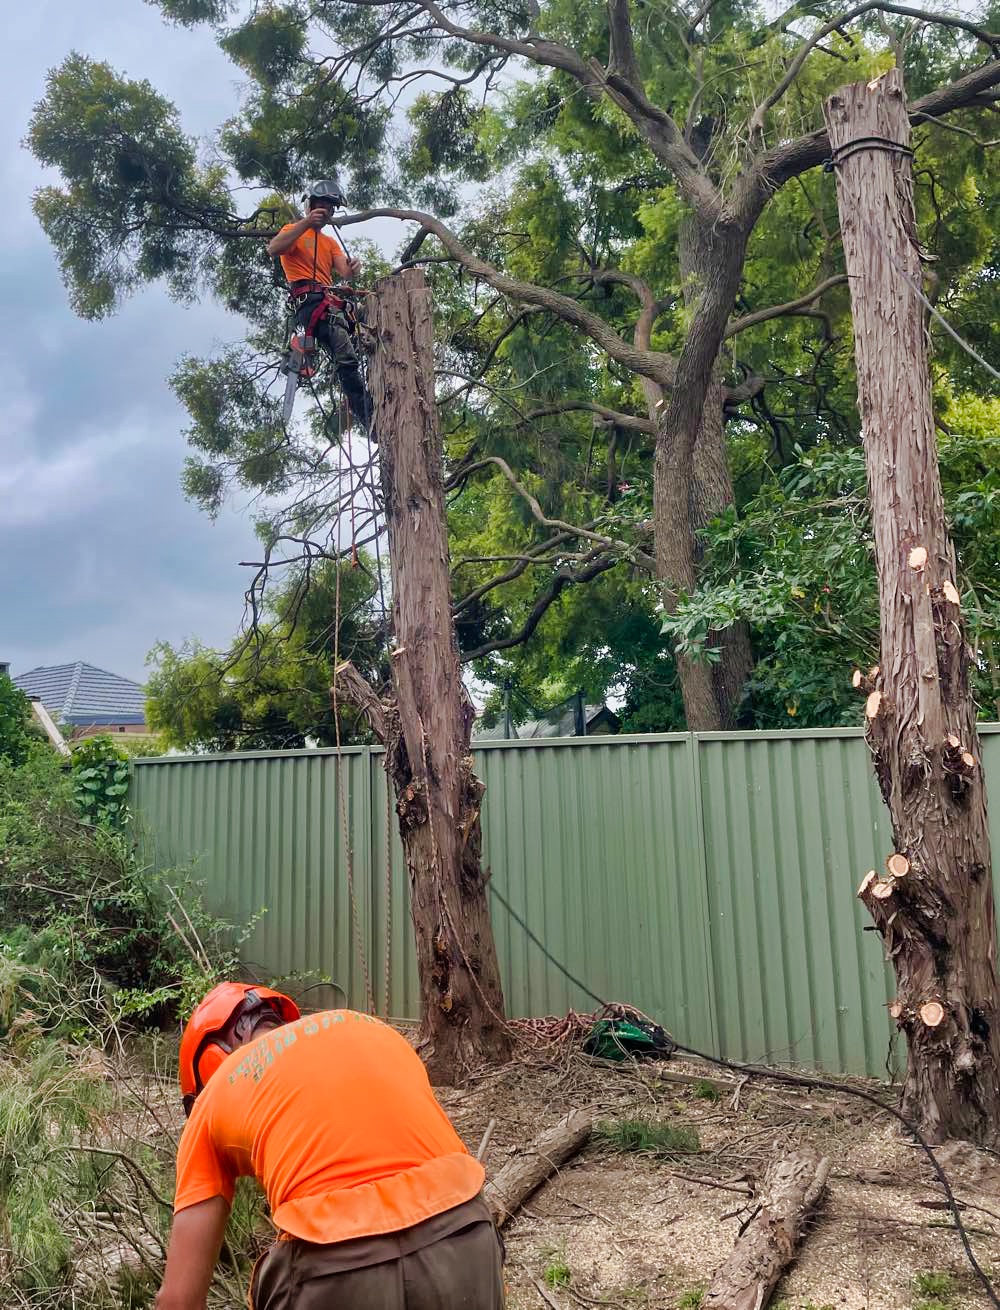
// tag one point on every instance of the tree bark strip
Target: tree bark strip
(937, 921)
(792, 1190)
(428, 729)
(525, 1173)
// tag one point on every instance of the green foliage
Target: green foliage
(706, 1091)
(797, 564)
(691, 1299)
(557, 1274)
(649, 1137)
(15, 722)
(933, 1291)
(87, 931)
(100, 771)
(271, 690)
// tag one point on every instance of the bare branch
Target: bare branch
(561, 579)
(413, 246)
(647, 362)
(623, 547)
(775, 167)
(954, 127)
(633, 422)
(780, 311)
(353, 688)
(991, 39)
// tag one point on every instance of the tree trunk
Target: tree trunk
(711, 493)
(764, 1250)
(438, 796)
(691, 482)
(934, 907)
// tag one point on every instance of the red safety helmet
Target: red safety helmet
(203, 1047)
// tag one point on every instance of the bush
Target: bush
(103, 936)
(100, 781)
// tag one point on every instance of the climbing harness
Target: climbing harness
(299, 364)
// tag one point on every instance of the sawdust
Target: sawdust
(634, 1232)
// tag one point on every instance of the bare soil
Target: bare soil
(633, 1230)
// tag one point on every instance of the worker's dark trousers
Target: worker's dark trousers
(333, 335)
(462, 1271)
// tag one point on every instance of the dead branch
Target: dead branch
(563, 578)
(793, 1188)
(522, 1175)
(632, 422)
(357, 691)
(609, 543)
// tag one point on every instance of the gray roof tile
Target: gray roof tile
(82, 694)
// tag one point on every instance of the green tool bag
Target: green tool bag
(628, 1036)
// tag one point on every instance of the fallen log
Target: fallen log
(766, 1247)
(525, 1172)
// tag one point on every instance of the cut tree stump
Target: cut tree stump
(525, 1172)
(792, 1190)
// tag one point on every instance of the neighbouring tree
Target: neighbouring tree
(271, 689)
(618, 123)
(15, 722)
(934, 906)
(426, 723)
(797, 564)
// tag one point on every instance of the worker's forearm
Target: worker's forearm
(285, 240)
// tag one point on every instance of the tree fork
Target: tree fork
(935, 911)
(427, 727)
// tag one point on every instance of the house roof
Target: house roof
(84, 695)
(562, 724)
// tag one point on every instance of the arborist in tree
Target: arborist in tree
(310, 258)
(376, 1200)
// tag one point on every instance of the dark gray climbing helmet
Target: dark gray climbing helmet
(329, 189)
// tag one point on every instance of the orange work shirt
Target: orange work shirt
(311, 258)
(335, 1117)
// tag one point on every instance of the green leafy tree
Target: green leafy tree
(271, 690)
(15, 722)
(797, 566)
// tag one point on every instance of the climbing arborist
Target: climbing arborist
(310, 259)
(376, 1200)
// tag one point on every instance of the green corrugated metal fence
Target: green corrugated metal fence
(707, 878)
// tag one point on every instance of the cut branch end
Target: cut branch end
(932, 1013)
(898, 865)
(873, 704)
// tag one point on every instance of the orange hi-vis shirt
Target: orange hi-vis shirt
(335, 1117)
(311, 258)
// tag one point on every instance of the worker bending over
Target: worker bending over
(376, 1200)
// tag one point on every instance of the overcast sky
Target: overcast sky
(100, 555)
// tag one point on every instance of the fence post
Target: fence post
(701, 872)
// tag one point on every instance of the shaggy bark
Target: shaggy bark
(934, 905)
(427, 727)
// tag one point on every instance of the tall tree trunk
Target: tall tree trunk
(935, 907)
(438, 796)
(691, 479)
(712, 487)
